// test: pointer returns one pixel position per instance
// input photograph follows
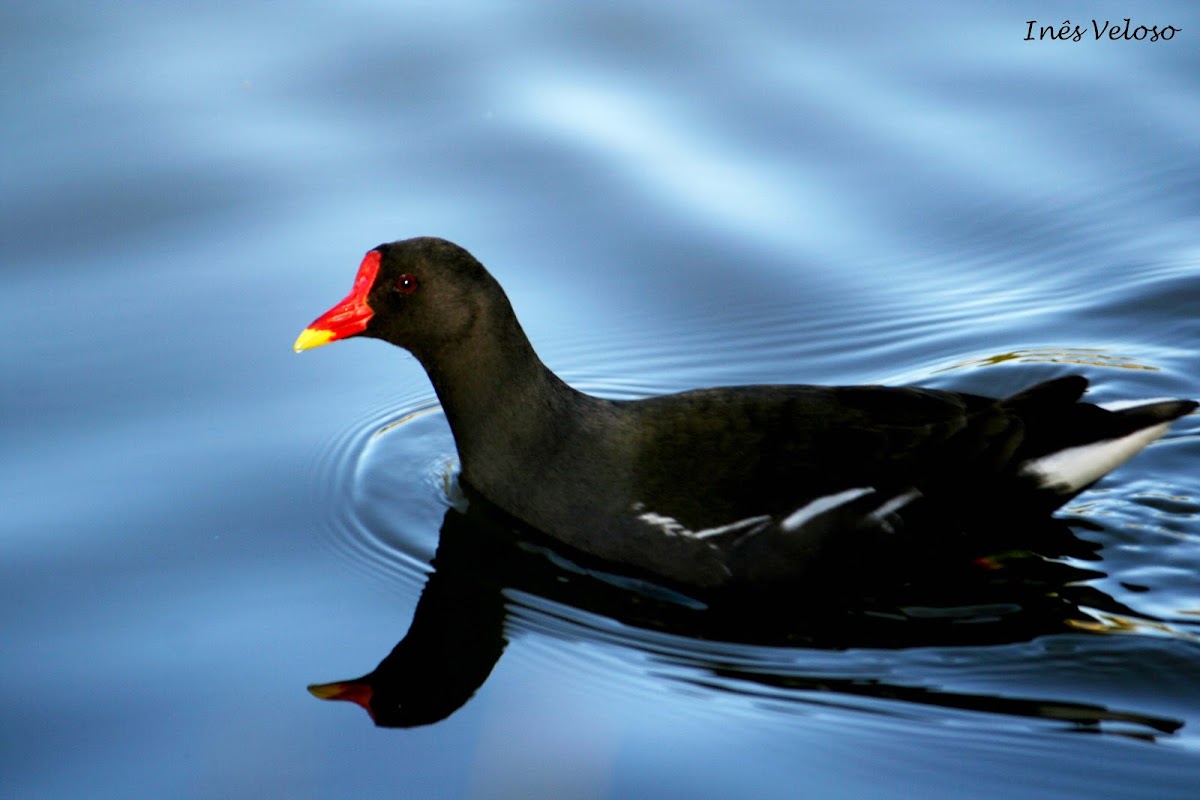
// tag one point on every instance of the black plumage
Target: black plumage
(726, 486)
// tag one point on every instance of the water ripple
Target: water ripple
(383, 484)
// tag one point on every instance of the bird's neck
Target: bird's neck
(506, 409)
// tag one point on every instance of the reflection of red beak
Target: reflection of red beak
(349, 316)
(354, 691)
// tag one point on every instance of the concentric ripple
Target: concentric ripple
(383, 484)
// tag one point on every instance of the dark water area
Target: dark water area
(196, 524)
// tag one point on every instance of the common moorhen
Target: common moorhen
(725, 486)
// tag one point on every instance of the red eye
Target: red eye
(406, 284)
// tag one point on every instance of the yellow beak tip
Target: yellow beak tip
(312, 337)
(326, 691)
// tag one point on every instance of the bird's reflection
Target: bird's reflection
(933, 591)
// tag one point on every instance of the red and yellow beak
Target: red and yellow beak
(348, 317)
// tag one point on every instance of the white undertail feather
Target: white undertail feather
(1121, 405)
(1067, 471)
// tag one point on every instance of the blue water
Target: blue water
(196, 523)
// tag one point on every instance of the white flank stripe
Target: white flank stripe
(806, 514)
(1070, 470)
(668, 525)
(895, 504)
(673, 527)
(748, 522)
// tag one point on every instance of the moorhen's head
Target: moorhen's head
(419, 294)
